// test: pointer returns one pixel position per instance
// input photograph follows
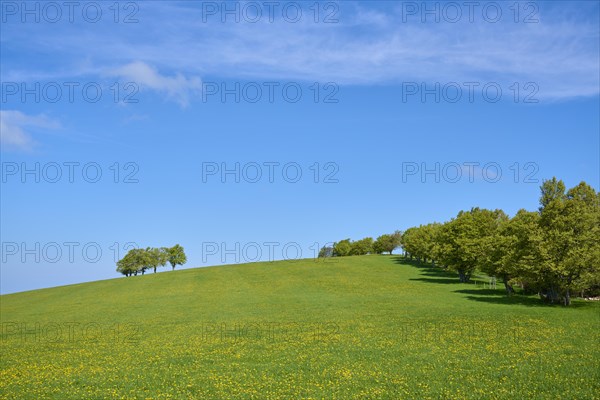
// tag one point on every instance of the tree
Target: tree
(134, 262)
(387, 243)
(571, 227)
(551, 190)
(326, 251)
(421, 241)
(361, 247)
(127, 265)
(378, 245)
(342, 248)
(462, 241)
(156, 257)
(139, 260)
(396, 240)
(409, 242)
(513, 251)
(176, 256)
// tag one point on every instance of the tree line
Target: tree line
(384, 243)
(137, 261)
(554, 251)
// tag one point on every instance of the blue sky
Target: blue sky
(388, 77)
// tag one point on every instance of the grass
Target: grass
(355, 327)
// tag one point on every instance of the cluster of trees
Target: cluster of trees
(554, 251)
(139, 260)
(384, 243)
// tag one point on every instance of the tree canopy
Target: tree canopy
(139, 260)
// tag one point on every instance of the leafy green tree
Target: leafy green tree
(513, 251)
(427, 235)
(157, 257)
(127, 265)
(571, 227)
(379, 244)
(361, 247)
(176, 256)
(551, 190)
(134, 262)
(409, 242)
(387, 243)
(396, 240)
(421, 241)
(342, 248)
(326, 251)
(462, 240)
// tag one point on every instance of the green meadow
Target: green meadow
(361, 327)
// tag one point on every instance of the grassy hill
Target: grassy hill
(355, 327)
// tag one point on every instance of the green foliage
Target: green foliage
(420, 241)
(387, 243)
(513, 251)
(156, 257)
(326, 251)
(176, 256)
(555, 252)
(552, 189)
(361, 247)
(342, 248)
(139, 260)
(571, 227)
(463, 243)
(134, 262)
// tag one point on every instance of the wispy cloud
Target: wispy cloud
(15, 129)
(171, 47)
(178, 87)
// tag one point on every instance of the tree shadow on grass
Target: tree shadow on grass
(429, 273)
(496, 296)
(438, 275)
(441, 281)
(499, 297)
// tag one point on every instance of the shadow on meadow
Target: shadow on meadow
(429, 273)
(438, 275)
(498, 296)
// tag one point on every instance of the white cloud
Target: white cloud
(15, 127)
(177, 87)
(370, 45)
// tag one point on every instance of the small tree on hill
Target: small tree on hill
(387, 243)
(176, 256)
(134, 262)
(326, 251)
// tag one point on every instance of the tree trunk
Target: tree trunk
(507, 286)
(154, 269)
(552, 295)
(567, 298)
